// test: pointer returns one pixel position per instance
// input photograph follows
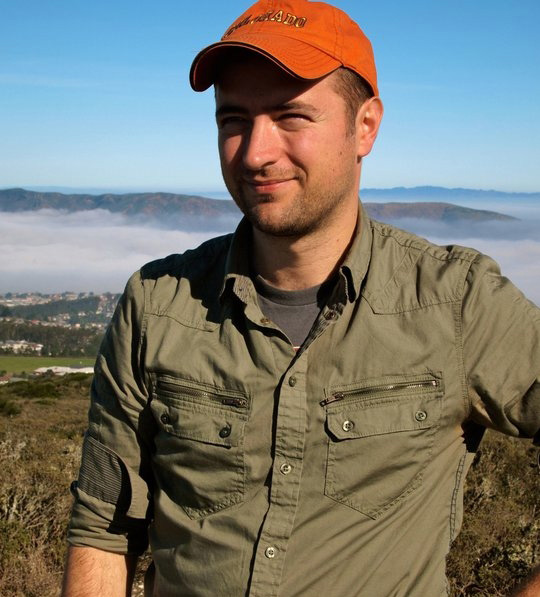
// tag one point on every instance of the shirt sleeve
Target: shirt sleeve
(112, 494)
(501, 347)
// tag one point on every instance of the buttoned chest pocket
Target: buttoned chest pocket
(380, 437)
(199, 445)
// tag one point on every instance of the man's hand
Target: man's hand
(531, 587)
(95, 573)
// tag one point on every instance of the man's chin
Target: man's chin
(269, 214)
(280, 227)
(265, 218)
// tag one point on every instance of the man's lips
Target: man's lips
(267, 185)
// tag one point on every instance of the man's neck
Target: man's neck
(297, 263)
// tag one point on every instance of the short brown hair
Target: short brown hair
(353, 89)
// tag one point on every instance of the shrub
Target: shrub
(36, 389)
(8, 408)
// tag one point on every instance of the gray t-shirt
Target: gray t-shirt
(293, 311)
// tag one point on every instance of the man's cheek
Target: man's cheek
(230, 152)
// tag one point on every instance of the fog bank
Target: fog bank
(51, 251)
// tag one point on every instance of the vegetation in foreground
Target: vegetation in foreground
(40, 439)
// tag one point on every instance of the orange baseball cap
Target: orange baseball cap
(307, 39)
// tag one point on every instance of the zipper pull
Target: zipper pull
(239, 402)
(334, 398)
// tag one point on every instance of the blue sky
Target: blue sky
(95, 94)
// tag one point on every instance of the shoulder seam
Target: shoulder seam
(422, 245)
(210, 247)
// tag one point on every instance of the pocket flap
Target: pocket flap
(189, 421)
(389, 416)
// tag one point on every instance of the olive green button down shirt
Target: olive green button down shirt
(338, 470)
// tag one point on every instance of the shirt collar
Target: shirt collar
(237, 267)
(356, 262)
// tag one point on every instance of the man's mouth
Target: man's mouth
(267, 185)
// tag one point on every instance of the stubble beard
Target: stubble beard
(307, 213)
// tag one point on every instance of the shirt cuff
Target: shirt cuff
(87, 528)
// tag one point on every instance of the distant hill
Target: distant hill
(175, 208)
(154, 205)
(455, 195)
(444, 212)
(95, 310)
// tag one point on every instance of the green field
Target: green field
(18, 364)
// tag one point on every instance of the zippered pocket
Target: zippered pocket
(391, 389)
(199, 445)
(199, 394)
(380, 437)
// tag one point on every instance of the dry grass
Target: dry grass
(39, 456)
(500, 539)
(40, 452)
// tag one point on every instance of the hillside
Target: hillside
(152, 205)
(56, 325)
(444, 212)
(95, 309)
(164, 210)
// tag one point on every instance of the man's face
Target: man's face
(288, 155)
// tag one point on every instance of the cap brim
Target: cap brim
(296, 57)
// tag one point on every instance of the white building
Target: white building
(21, 347)
(57, 370)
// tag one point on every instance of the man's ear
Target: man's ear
(368, 120)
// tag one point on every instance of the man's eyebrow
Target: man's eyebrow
(225, 109)
(292, 105)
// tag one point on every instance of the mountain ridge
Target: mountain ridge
(453, 192)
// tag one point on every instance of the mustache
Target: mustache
(269, 174)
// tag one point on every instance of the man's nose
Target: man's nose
(261, 144)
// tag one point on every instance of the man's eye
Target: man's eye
(293, 121)
(230, 121)
(293, 116)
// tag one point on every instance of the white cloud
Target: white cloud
(50, 251)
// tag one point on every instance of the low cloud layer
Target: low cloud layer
(50, 251)
(459, 231)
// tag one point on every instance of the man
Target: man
(292, 409)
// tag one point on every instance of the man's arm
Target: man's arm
(93, 572)
(501, 348)
(109, 515)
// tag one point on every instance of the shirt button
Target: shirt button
(348, 426)
(165, 419)
(225, 432)
(270, 552)
(330, 315)
(292, 381)
(265, 320)
(285, 468)
(420, 415)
